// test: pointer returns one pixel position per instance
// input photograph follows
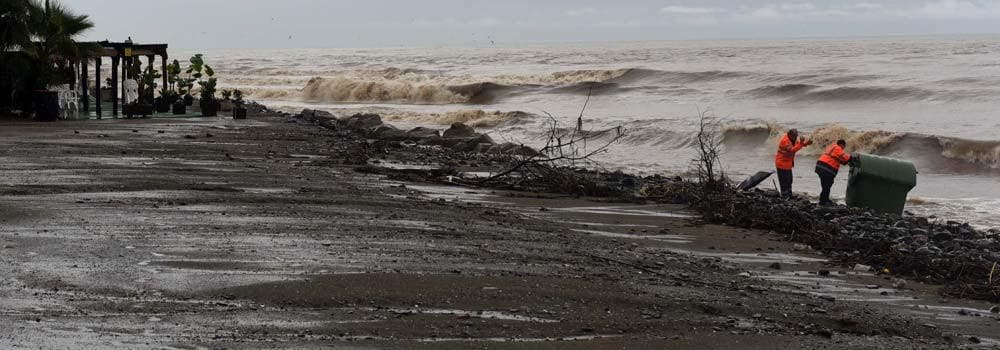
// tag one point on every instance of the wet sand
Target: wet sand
(215, 233)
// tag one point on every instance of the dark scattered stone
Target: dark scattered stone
(459, 130)
(480, 143)
(824, 272)
(776, 266)
(423, 133)
(388, 133)
(362, 121)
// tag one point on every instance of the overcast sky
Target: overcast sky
(199, 24)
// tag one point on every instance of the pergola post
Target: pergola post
(163, 71)
(150, 63)
(114, 86)
(97, 84)
(84, 85)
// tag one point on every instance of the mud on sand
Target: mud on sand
(215, 233)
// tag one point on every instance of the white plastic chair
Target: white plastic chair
(65, 100)
(71, 104)
(131, 91)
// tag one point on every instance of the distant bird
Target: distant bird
(289, 37)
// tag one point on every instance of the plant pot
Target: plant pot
(106, 94)
(134, 109)
(180, 107)
(162, 106)
(188, 100)
(46, 105)
(239, 112)
(209, 108)
(226, 106)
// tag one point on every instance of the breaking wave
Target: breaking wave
(350, 90)
(816, 93)
(473, 118)
(928, 152)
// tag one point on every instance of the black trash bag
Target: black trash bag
(754, 180)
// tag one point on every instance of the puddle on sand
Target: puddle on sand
(453, 193)
(754, 258)
(495, 315)
(678, 239)
(954, 313)
(262, 190)
(404, 166)
(581, 223)
(624, 210)
(521, 340)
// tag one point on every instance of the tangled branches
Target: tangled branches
(557, 166)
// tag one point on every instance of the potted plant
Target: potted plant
(146, 78)
(239, 107)
(226, 105)
(166, 100)
(182, 85)
(206, 80)
(179, 107)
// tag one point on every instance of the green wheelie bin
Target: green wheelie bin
(880, 183)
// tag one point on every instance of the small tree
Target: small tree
(553, 165)
(708, 166)
(709, 148)
(205, 76)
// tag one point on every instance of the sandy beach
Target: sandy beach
(220, 233)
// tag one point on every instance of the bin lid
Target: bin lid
(884, 168)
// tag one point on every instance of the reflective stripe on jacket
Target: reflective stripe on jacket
(834, 156)
(785, 158)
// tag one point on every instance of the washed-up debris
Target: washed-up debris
(953, 254)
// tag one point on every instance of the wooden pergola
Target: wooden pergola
(123, 55)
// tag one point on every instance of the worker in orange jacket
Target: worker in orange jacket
(784, 160)
(828, 166)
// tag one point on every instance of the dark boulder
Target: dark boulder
(459, 130)
(388, 133)
(362, 121)
(322, 118)
(423, 133)
(480, 143)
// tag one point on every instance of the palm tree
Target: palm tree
(54, 29)
(14, 28)
(15, 32)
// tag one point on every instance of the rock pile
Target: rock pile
(956, 255)
(458, 137)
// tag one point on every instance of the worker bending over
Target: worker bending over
(784, 160)
(828, 166)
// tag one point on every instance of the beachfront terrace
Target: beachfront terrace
(123, 56)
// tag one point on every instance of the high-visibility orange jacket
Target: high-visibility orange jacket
(785, 158)
(834, 156)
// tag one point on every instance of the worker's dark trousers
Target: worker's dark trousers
(785, 180)
(826, 176)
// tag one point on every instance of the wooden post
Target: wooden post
(97, 84)
(114, 86)
(163, 70)
(151, 60)
(84, 84)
